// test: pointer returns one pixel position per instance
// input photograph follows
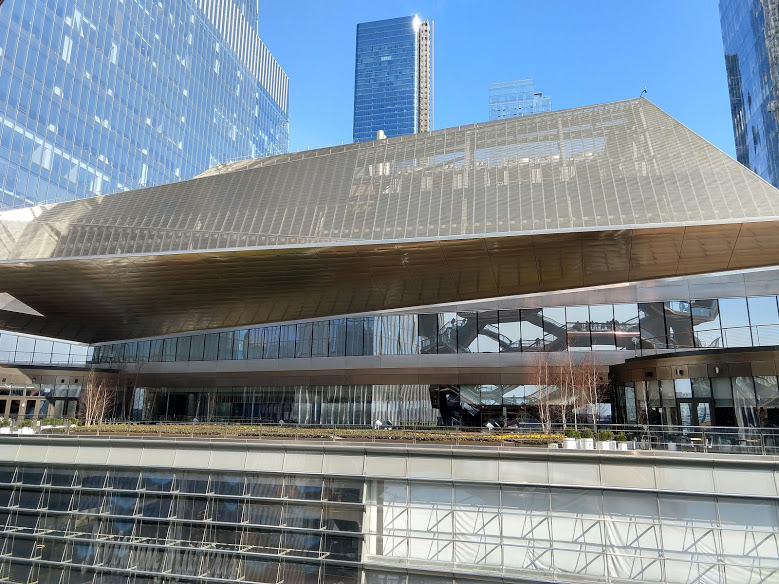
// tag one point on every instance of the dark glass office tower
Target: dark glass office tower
(750, 33)
(110, 95)
(393, 78)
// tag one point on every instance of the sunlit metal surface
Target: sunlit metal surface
(108, 298)
(592, 196)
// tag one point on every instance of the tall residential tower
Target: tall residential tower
(750, 34)
(393, 78)
(99, 97)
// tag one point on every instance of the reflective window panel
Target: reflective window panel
(102, 97)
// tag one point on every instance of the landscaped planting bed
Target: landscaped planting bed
(431, 435)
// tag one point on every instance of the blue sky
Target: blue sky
(579, 52)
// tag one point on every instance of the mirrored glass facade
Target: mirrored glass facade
(105, 96)
(343, 405)
(745, 401)
(646, 328)
(511, 99)
(392, 87)
(750, 34)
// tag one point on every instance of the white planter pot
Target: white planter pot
(672, 446)
(5, 430)
(587, 443)
(569, 443)
(604, 445)
(622, 445)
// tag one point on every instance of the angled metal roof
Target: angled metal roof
(610, 166)
(587, 196)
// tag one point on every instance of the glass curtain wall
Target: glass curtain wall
(386, 79)
(565, 534)
(100, 97)
(749, 39)
(511, 99)
(647, 328)
(361, 405)
(718, 401)
(63, 524)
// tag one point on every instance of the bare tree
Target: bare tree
(565, 380)
(97, 398)
(212, 399)
(591, 388)
(580, 378)
(573, 374)
(543, 380)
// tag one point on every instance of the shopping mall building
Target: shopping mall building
(419, 279)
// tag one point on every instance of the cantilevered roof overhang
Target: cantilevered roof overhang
(592, 196)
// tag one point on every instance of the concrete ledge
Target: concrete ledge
(729, 475)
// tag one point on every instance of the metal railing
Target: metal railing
(608, 437)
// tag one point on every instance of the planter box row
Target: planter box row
(592, 444)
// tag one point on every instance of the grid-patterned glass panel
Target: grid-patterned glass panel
(131, 520)
(109, 96)
(747, 31)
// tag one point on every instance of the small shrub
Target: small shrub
(26, 424)
(73, 421)
(5, 423)
(51, 422)
(587, 433)
(621, 437)
(572, 433)
(605, 435)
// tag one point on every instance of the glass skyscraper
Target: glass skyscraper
(107, 95)
(750, 34)
(510, 99)
(393, 78)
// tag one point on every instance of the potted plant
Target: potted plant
(571, 436)
(622, 441)
(587, 442)
(5, 426)
(25, 427)
(604, 439)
